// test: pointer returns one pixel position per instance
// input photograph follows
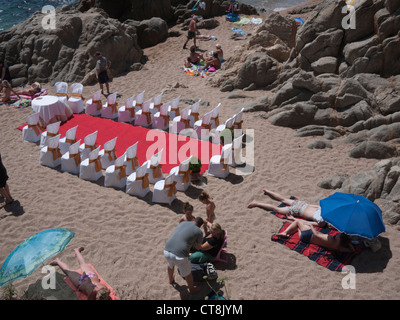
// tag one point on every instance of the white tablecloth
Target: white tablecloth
(50, 109)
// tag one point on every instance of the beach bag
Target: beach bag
(199, 270)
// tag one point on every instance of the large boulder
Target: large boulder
(150, 32)
(67, 53)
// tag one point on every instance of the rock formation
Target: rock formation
(67, 52)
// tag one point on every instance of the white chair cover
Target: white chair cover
(156, 104)
(237, 123)
(143, 117)
(110, 108)
(174, 108)
(165, 190)
(50, 155)
(127, 112)
(115, 174)
(89, 144)
(237, 151)
(31, 132)
(215, 116)
(161, 118)
(194, 113)
(139, 101)
(75, 102)
(154, 167)
(90, 168)
(94, 105)
(202, 128)
(69, 139)
(131, 161)
(181, 122)
(71, 160)
(51, 131)
(61, 89)
(227, 125)
(182, 175)
(219, 164)
(137, 183)
(108, 155)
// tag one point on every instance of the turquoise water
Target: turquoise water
(13, 12)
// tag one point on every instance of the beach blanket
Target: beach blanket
(325, 258)
(242, 21)
(195, 70)
(81, 295)
(40, 93)
(238, 31)
(23, 101)
(255, 21)
(176, 148)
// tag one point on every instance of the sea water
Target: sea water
(13, 12)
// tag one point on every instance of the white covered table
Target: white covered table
(50, 109)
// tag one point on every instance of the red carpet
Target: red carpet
(176, 148)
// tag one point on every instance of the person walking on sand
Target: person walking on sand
(88, 282)
(192, 31)
(102, 66)
(176, 251)
(294, 208)
(4, 189)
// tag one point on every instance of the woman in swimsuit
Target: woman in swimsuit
(339, 243)
(88, 282)
(210, 207)
(6, 91)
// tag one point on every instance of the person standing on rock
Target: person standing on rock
(102, 66)
(192, 31)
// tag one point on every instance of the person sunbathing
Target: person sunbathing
(34, 88)
(5, 91)
(339, 243)
(88, 282)
(294, 208)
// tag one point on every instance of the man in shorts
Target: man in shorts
(192, 31)
(294, 208)
(102, 66)
(186, 235)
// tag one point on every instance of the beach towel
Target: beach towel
(325, 258)
(279, 215)
(299, 21)
(81, 295)
(40, 93)
(242, 21)
(255, 21)
(238, 31)
(23, 101)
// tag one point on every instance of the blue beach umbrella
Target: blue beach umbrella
(33, 252)
(353, 214)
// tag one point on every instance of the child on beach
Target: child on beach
(188, 213)
(210, 208)
(5, 91)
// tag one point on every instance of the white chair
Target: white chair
(61, 89)
(116, 174)
(174, 108)
(94, 105)
(51, 131)
(110, 108)
(88, 145)
(90, 168)
(127, 112)
(108, 155)
(32, 131)
(143, 117)
(137, 103)
(202, 128)
(131, 160)
(238, 122)
(181, 122)
(156, 104)
(215, 116)
(68, 140)
(227, 125)
(194, 113)
(237, 151)
(71, 160)
(182, 175)
(75, 102)
(161, 118)
(50, 155)
(219, 164)
(154, 168)
(165, 190)
(137, 183)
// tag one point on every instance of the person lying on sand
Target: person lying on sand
(339, 243)
(205, 37)
(88, 282)
(5, 91)
(31, 91)
(295, 208)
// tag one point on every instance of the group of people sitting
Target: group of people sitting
(213, 59)
(6, 91)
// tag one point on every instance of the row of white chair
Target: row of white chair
(74, 99)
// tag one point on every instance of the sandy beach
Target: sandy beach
(124, 236)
